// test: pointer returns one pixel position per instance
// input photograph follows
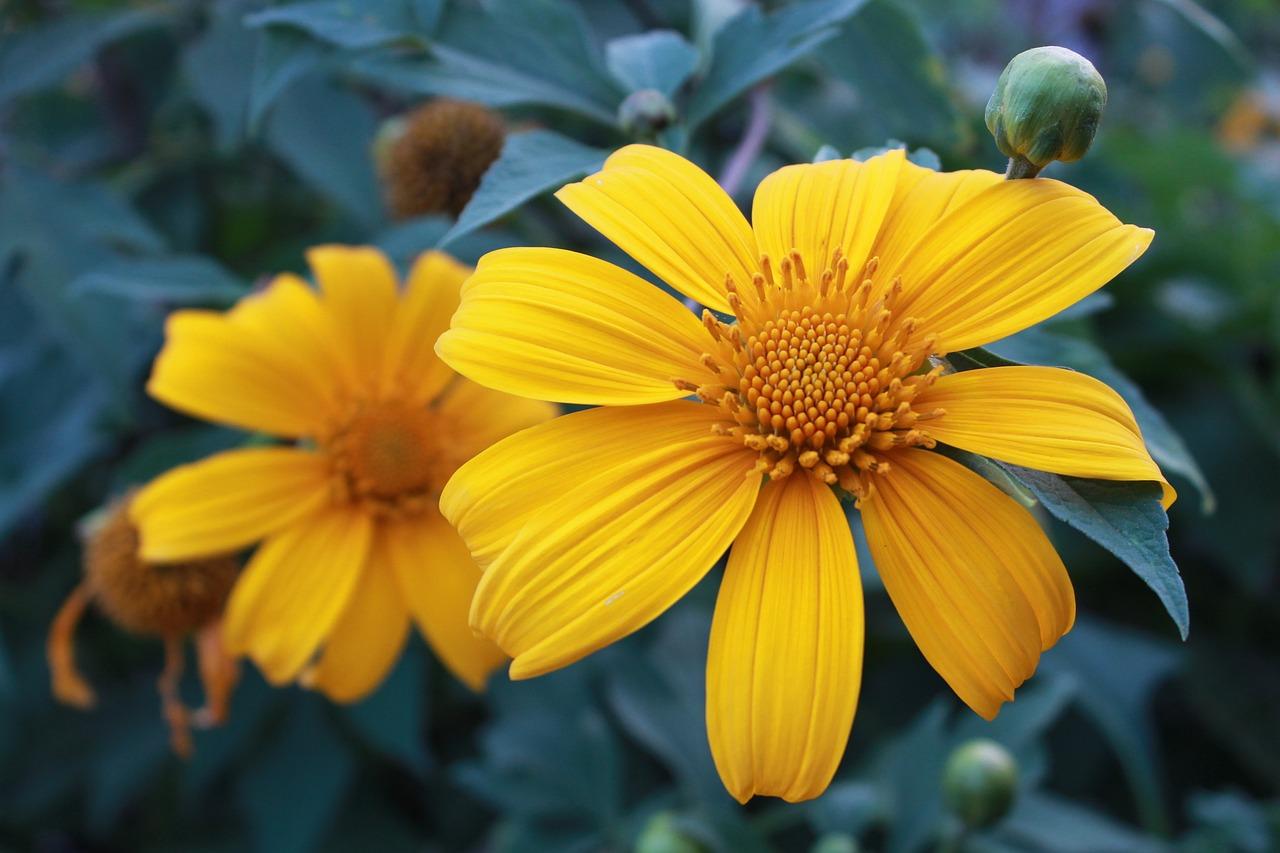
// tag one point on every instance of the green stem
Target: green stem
(1020, 167)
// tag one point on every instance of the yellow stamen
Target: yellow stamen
(825, 373)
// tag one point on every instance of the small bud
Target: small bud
(979, 782)
(432, 159)
(662, 834)
(642, 114)
(835, 842)
(1046, 106)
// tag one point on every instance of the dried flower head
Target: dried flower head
(165, 600)
(438, 156)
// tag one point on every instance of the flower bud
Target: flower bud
(662, 835)
(642, 114)
(1046, 106)
(979, 782)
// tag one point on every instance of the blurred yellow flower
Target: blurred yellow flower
(851, 276)
(353, 544)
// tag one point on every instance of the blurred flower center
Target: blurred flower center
(388, 456)
(819, 372)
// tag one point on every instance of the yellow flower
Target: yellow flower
(353, 544)
(850, 277)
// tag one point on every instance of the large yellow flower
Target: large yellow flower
(353, 542)
(851, 276)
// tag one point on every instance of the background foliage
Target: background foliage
(155, 155)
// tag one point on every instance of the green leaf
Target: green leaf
(42, 55)
(291, 792)
(511, 52)
(392, 720)
(825, 153)
(925, 157)
(1115, 672)
(752, 46)
(325, 135)
(1049, 824)
(1038, 346)
(1125, 518)
(219, 69)
(660, 60)
(352, 24)
(900, 81)
(282, 57)
(530, 164)
(178, 280)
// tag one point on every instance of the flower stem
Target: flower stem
(1020, 167)
(752, 142)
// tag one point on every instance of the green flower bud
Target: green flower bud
(662, 835)
(835, 842)
(1046, 106)
(979, 782)
(642, 114)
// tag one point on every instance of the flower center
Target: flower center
(390, 456)
(818, 374)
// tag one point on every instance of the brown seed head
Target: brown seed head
(169, 599)
(436, 163)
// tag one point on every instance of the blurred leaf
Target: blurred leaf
(354, 24)
(281, 58)
(178, 280)
(1228, 820)
(549, 755)
(1049, 824)
(393, 720)
(42, 55)
(661, 701)
(908, 773)
(291, 791)
(48, 434)
(158, 453)
(531, 163)
(217, 749)
(900, 82)
(1115, 672)
(509, 52)
(326, 135)
(219, 68)
(752, 46)
(1125, 518)
(1202, 21)
(1038, 346)
(131, 746)
(660, 60)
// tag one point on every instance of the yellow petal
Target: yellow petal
(976, 581)
(369, 635)
(295, 588)
(228, 501)
(479, 416)
(670, 216)
(1014, 254)
(595, 549)
(437, 578)
(430, 298)
(1045, 418)
(817, 208)
(923, 198)
(358, 285)
(231, 371)
(289, 317)
(785, 661)
(557, 325)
